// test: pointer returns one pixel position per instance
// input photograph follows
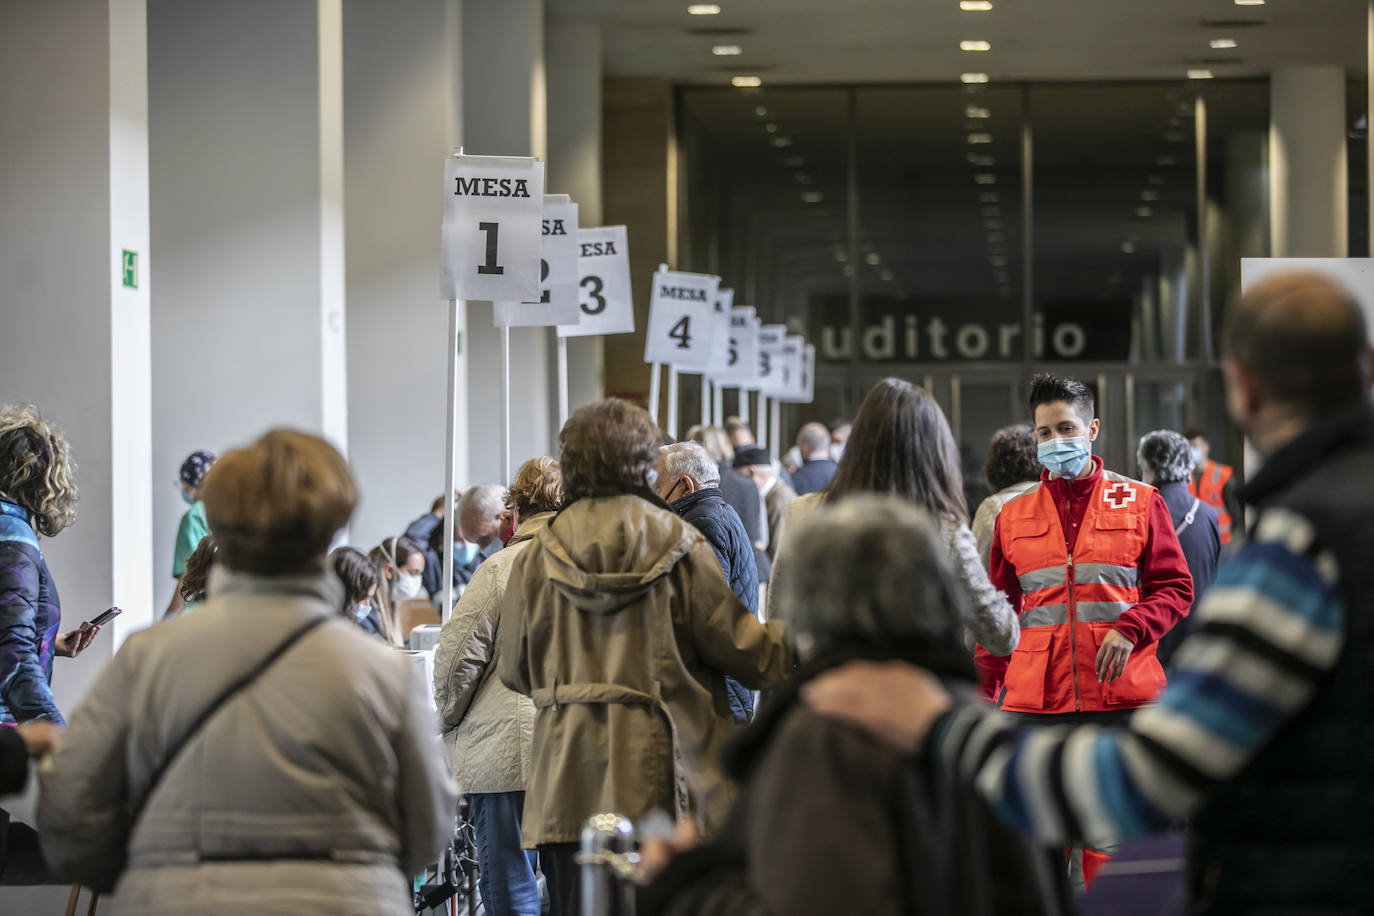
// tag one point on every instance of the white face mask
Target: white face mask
(407, 587)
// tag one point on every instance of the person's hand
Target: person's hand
(74, 642)
(40, 737)
(895, 702)
(1112, 656)
(656, 852)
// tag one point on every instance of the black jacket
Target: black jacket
(813, 476)
(707, 511)
(428, 532)
(1201, 543)
(1294, 831)
(828, 821)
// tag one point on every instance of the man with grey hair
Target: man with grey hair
(1166, 463)
(813, 442)
(481, 510)
(689, 482)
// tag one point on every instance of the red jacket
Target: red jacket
(1165, 586)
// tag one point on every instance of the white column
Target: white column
(245, 124)
(572, 52)
(402, 117)
(504, 114)
(1308, 181)
(74, 140)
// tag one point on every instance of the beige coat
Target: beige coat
(318, 789)
(488, 727)
(619, 623)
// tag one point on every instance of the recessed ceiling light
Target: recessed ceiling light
(988, 197)
(1128, 247)
(1144, 212)
(1147, 194)
(973, 77)
(1200, 74)
(812, 197)
(873, 259)
(1175, 136)
(802, 178)
(992, 211)
(780, 142)
(1164, 160)
(975, 46)
(994, 238)
(848, 270)
(998, 260)
(983, 162)
(760, 111)
(1249, 2)
(975, 6)
(745, 82)
(727, 50)
(985, 178)
(885, 275)
(992, 225)
(1155, 179)
(793, 162)
(973, 111)
(980, 138)
(771, 128)
(703, 9)
(1221, 43)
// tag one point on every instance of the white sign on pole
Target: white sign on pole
(770, 357)
(489, 244)
(681, 320)
(557, 301)
(742, 352)
(720, 335)
(603, 279)
(789, 381)
(807, 388)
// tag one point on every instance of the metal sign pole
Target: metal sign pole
(562, 381)
(672, 400)
(455, 311)
(655, 382)
(505, 405)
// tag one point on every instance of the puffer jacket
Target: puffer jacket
(319, 788)
(488, 727)
(30, 615)
(708, 512)
(618, 623)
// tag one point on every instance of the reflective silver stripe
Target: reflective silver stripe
(1045, 615)
(1105, 574)
(1037, 579)
(1101, 611)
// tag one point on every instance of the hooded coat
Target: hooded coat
(619, 624)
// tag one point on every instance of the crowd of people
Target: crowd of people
(960, 712)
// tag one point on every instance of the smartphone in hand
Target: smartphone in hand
(106, 617)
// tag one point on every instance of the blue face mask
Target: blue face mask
(361, 611)
(1064, 457)
(188, 497)
(463, 553)
(1197, 456)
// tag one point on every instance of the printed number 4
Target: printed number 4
(595, 292)
(491, 267)
(681, 333)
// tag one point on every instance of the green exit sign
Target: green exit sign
(129, 266)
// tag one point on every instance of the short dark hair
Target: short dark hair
(1012, 457)
(1303, 337)
(1048, 388)
(1195, 432)
(901, 445)
(608, 448)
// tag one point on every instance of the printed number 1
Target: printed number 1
(491, 267)
(680, 333)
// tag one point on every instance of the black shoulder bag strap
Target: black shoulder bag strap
(225, 696)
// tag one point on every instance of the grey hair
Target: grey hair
(814, 436)
(486, 498)
(871, 568)
(689, 459)
(1165, 454)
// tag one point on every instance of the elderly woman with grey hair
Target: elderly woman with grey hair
(1166, 463)
(828, 820)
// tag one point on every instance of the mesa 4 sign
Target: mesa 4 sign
(605, 296)
(489, 245)
(681, 320)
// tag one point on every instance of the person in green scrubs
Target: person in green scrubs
(193, 528)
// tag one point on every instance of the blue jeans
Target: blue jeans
(507, 880)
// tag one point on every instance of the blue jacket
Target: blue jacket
(30, 613)
(1201, 543)
(813, 476)
(707, 511)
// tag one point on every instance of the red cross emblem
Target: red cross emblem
(1119, 495)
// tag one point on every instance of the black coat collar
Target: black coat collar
(1301, 456)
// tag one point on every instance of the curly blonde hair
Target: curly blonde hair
(538, 487)
(36, 468)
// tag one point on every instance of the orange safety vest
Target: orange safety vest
(1071, 600)
(1210, 487)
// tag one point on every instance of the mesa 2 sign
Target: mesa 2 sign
(492, 227)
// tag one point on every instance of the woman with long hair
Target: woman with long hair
(400, 565)
(901, 445)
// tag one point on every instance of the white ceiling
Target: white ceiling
(814, 41)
